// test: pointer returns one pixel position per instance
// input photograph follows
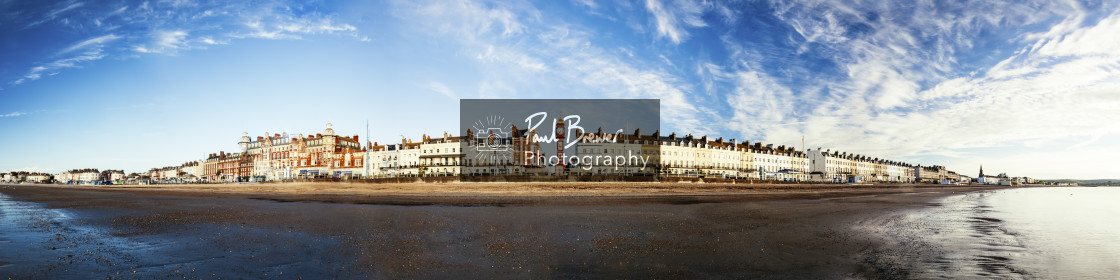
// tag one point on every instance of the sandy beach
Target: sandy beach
(457, 230)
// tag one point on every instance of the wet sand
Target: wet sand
(575, 230)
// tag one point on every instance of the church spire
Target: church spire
(981, 171)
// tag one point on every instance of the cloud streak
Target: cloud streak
(92, 42)
(548, 49)
(673, 18)
(54, 14)
(442, 89)
(12, 114)
(167, 27)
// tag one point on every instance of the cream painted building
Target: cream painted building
(726, 158)
(768, 163)
(832, 166)
(89, 176)
(441, 156)
(38, 178)
(678, 155)
(394, 160)
(840, 167)
(747, 167)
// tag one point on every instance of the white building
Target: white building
(726, 158)
(831, 166)
(66, 177)
(679, 154)
(88, 176)
(394, 160)
(38, 178)
(441, 156)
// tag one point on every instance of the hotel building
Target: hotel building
(277, 157)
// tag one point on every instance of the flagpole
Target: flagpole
(366, 160)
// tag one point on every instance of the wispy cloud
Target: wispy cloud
(165, 42)
(502, 55)
(290, 27)
(760, 105)
(517, 35)
(442, 89)
(208, 40)
(91, 52)
(53, 14)
(167, 27)
(172, 39)
(92, 42)
(588, 3)
(12, 114)
(672, 18)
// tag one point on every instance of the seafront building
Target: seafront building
(114, 176)
(691, 156)
(279, 157)
(930, 174)
(87, 176)
(25, 177)
(841, 167)
(38, 178)
(1001, 180)
(441, 156)
(226, 167)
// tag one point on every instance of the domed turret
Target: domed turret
(329, 130)
(244, 143)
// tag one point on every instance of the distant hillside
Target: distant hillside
(1094, 182)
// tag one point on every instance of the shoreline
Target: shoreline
(509, 194)
(514, 188)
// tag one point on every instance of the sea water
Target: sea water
(1022, 233)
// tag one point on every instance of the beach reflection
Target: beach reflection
(1069, 232)
(1047, 233)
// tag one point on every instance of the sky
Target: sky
(1030, 88)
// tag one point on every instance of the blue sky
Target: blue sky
(1031, 89)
